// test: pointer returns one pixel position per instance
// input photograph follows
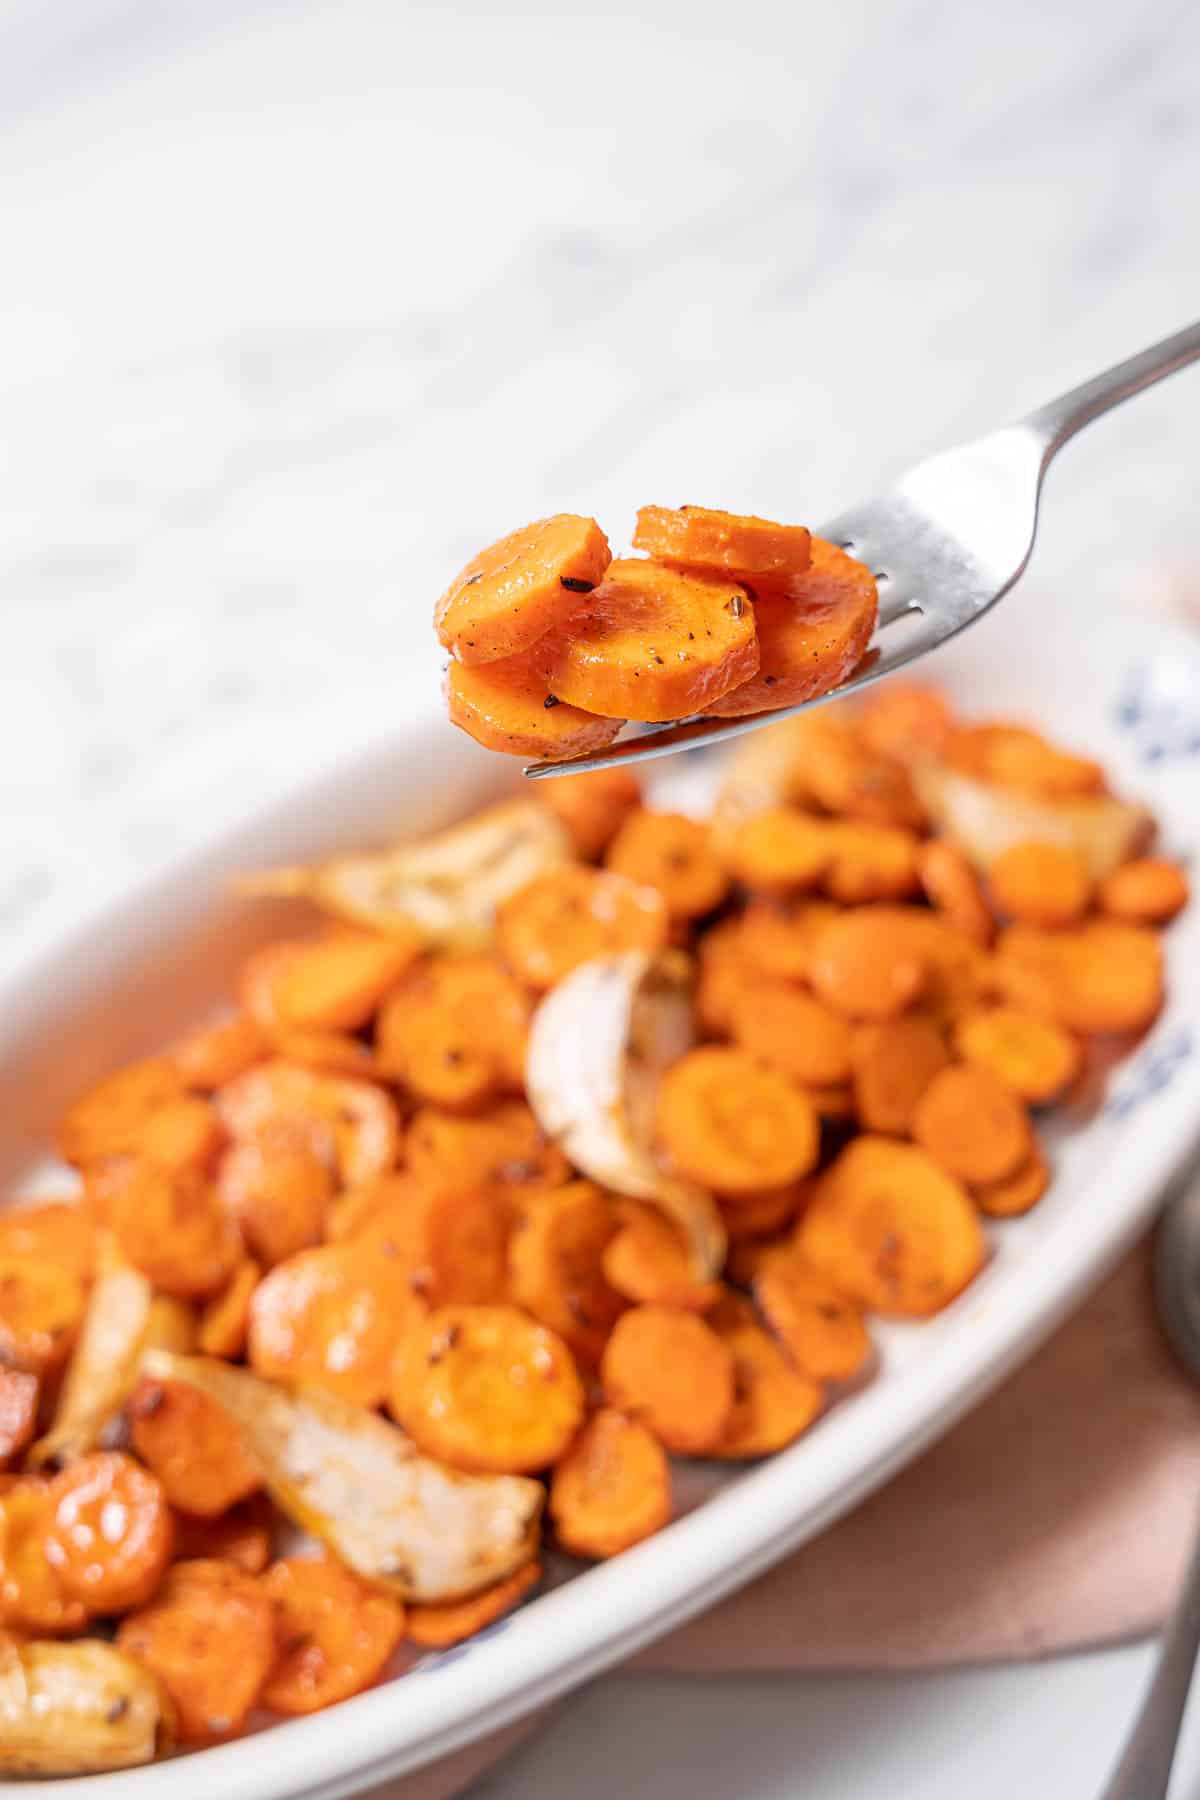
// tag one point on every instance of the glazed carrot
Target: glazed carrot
(972, 1124)
(41, 1308)
(1147, 891)
(781, 851)
(651, 643)
(107, 1120)
(240, 1537)
(324, 984)
(332, 1316)
(733, 1125)
(111, 1534)
(172, 1227)
(813, 631)
(279, 1190)
(870, 862)
(19, 1392)
(182, 1134)
(889, 1227)
(484, 1389)
(1043, 884)
(592, 806)
(464, 1252)
(647, 1261)
(773, 1400)
(454, 1032)
(901, 718)
(505, 1145)
(611, 1489)
(791, 1031)
(721, 967)
(556, 1261)
(214, 1054)
(573, 915)
(352, 1122)
(62, 1232)
(32, 1595)
(328, 1053)
(667, 1369)
(836, 771)
(865, 967)
(956, 969)
(1114, 978)
(225, 1319)
(510, 706)
(753, 1216)
(209, 1637)
(821, 1330)
(1012, 756)
(894, 1062)
(375, 1203)
(193, 1447)
(1017, 1192)
(517, 589)
(438, 1626)
(335, 1634)
(1032, 1056)
(952, 887)
(674, 855)
(747, 1258)
(779, 937)
(722, 543)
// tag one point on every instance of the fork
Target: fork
(945, 543)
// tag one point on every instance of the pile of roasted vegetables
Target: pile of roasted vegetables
(578, 1137)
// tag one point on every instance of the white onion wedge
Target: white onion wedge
(78, 1709)
(984, 820)
(360, 1485)
(598, 1044)
(104, 1363)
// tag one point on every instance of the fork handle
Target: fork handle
(1060, 419)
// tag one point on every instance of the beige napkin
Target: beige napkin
(1057, 1514)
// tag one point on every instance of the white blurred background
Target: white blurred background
(302, 300)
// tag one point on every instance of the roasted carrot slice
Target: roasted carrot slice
(722, 543)
(1017, 1192)
(820, 1328)
(674, 855)
(759, 1215)
(972, 1124)
(279, 1189)
(108, 1120)
(182, 1134)
(902, 718)
(835, 771)
(889, 1227)
(520, 587)
(487, 1390)
(41, 1308)
(1012, 756)
(791, 1031)
(779, 937)
(863, 965)
(1114, 978)
(171, 1225)
(721, 967)
(870, 862)
(359, 1209)
(953, 888)
(781, 851)
(454, 1032)
(466, 1236)
(592, 805)
(573, 915)
(355, 1122)
(335, 1633)
(209, 1637)
(556, 1261)
(648, 1261)
(1041, 884)
(505, 1145)
(193, 1447)
(666, 1368)
(240, 1537)
(1147, 891)
(111, 1533)
(894, 1062)
(652, 643)
(328, 1053)
(509, 706)
(332, 983)
(33, 1598)
(62, 1232)
(332, 1316)
(1034, 1057)
(611, 1489)
(438, 1626)
(813, 630)
(733, 1125)
(19, 1392)
(773, 1400)
(214, 1054)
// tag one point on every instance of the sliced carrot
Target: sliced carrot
(666, 1368)
(791, 1031)
(572, 915)
(901, 718)
(820, 1328)
(62, 1232)
(214, 1054)
(871, 862)
(592, 806)
(647, 1261)
(510, 706)
(652, 643)
(19, 1391)
(781, 851)
(519, 588)
(1114, 978)
(836, 771)
(41, 1308)
(1147, 891)
(733, 1125)
(109, 1118)
(1042, 884)
(1012, 756)
(674, 855)
(193, 1447)
(505, 1145)
(328, 1053)
(889, 1227)
(556, 1261)
(32, 1596)
(483, 1388)
(209, 1637)
(747, 1258)
(278, 1188)
(894, 1062)
(171, 1225)
(953, 888)
(438, 1627)
(1030, 1055)
(721, 967)
(378, 1202)
(225, 1319)
(332, 1316)
(754, 1216)
(241, 1537)
(972, 1124)
(466, 1235)
(611, 1489)
(335, 1634)
(779, 937)
(722, 543)
(354, 1122)
(331, 983)
(813, 631)
(773, 1400)
(955, 967)
(182, 1134)
(111, 1533)
(864, 966)
(1017, 1192)
(454, 1032)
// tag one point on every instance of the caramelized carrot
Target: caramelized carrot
(1147, 891)
(354, 1123)
(953, 888)
(791, 1031)
(1043, 884)
(41, 1308)
(972, 1124)
(214, 1054)
(108, 1120)
(821, 1330)
(733, 1125)
(674, 855)
(773, 1400)
(182, 1134)
(509, 706)
(781, 851)
(240, 1537)
(33, 1597)
(324, 984)
(838, 772)
(667, 1369)
(1017, 1192)
(1114, 978)
(779, 937)
(870, 862)
(465, 1252)
(454, 1031)
(328, 1053)
(110, 1533)
(904, 719)
(894, 1062)
(505, 1145)
(1012, 756)
(611, 1489)
(172, 1227)
(722, 543)
(438, 1627)
(225, 1319)
(209, 1637)
(865, 967)
(557, 1265)
(647, 1261)
(573, 915)
(1032, 1056)
(721, 967)
(62, 1232)
(193, 1447)
(592, 806)
(278, 1188)
(19, 1392)
(753, 1216)
(332, 1316)
(519, 588)
(335, 1634)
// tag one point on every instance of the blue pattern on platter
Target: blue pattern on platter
(1163, 721)
(1152, 1072)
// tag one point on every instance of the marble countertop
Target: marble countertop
(302, 301)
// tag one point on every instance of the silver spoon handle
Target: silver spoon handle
(1060, 419)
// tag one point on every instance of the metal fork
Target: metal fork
(945, 543)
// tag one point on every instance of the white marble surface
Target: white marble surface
(302, 299)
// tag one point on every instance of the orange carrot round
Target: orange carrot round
(111, 1533)
(557, 1265)
(1044, 884)
(894, 1062)
(733, 1125)
(870, 862)
(466, 1232)
(758, 1215)
(647, 1261)
(214, 1054)
(666, 1368)
(454, 1031)
(33, 1598)
(209, 1636)
(1012, 756)
(779, 937)
(1017, 1192)
(1034, 1057)
(774, 1401)
(335, 1634)
(62, 1232)
(572, 915)
(902, 718)
(225, 1319)
(953, 888)
(439, 1626)
(1114, 978)
(972, 1124)
(510, 706)
(592, 805)
(721, 967)
(791, 1031)
(108, 1119)
(517, 589)
(279, 1189)
(821, 1330)
(1148, 891)
(866, 966)
(41, 1306)
(611, 1489)
(673, 855)
(722, 543)
(332, 1316)
(353, 1123)
(193, 1447)
(781, 851)
(172, 1227)
(240, 1537)
(504, 1145)
(332, 983)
